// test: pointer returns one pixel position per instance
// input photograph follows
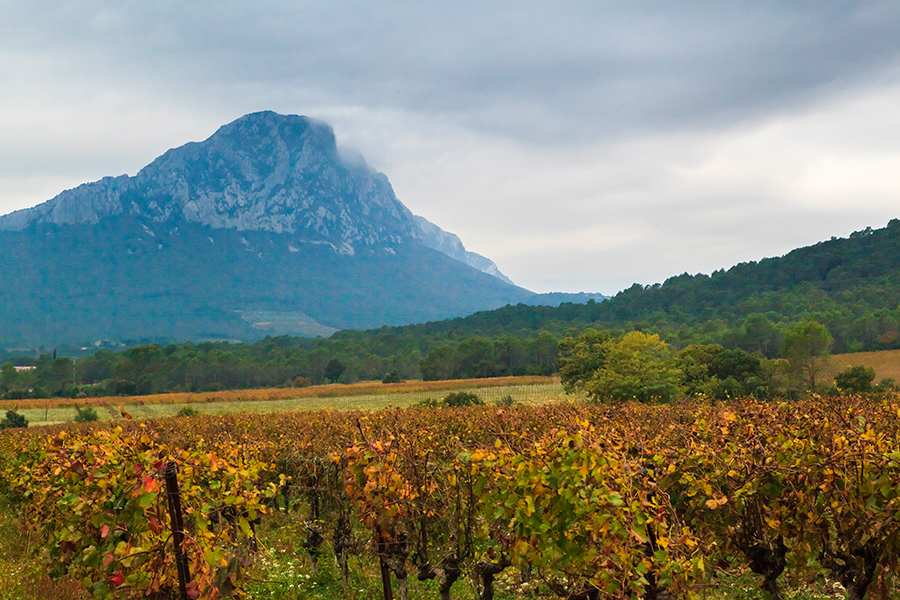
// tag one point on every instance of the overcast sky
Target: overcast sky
(583, 146)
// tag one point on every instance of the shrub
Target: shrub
(187, 411)
(430, 403)
(856, 380)
(886, 385)
(457, 399)
(12, 420)
(452, 400)
(391, 377)
(301, 381)
(507, 400)
(83, 415)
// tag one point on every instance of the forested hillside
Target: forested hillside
(852, 286)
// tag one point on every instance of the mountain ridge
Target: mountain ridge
(223, 182)
(264, 217)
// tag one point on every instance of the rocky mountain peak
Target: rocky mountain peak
(269, 172)
(262, 172)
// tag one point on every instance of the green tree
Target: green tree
(856, 380)
(694, 362)
(760, 334)
(439, 364)
(477, 357)
(334, 369)
(581, 357)
(545, 353)
(458, 399)
(100, 366)
(807, 346)
(637, 367)
(511, 355)
(9, 377)
(54, 374)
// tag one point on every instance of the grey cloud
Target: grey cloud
(568, 70)
(516, 112)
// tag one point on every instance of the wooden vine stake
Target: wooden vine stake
(385, 570)
(181, 563)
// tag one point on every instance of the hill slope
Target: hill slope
(262, 228)
(852, 285)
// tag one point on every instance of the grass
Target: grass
(334, 390)
(380, 396)
(885, 362)
(283, 571)
(21, 573)
(287, 569)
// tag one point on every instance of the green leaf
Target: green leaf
(479, 485)
(245, 527)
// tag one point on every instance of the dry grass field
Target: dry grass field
(335, 390)
(885, 362)
(365, 395)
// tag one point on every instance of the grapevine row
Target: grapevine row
(592, 501)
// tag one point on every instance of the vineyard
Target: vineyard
(573, 501)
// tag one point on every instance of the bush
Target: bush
(452, 400)
(457, 399)
(301, 381)
(507, 400)
(84, 415)
(855, 380)
(430, 403)
(187, 411)
(13, 420)
(391, 377)
(886, 386)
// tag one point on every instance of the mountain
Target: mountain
(434, 237)
(264, 228)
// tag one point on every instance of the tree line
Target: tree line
(606, 364)
(851, 287)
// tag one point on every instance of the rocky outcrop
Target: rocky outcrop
(436, 238)
(262, 172)
(88, 203)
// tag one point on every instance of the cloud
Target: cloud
(582, 146)
(539, 71)
(600, 217)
